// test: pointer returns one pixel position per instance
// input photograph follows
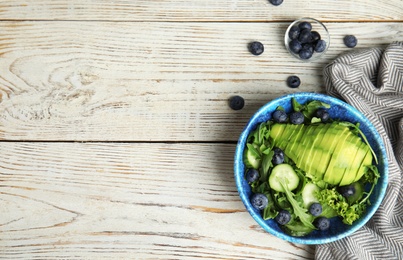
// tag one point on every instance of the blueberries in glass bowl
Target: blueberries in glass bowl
(307, 39)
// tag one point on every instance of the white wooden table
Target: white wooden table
(117, 140)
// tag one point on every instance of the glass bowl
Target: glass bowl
(298, 36)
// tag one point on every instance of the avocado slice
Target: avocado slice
(316, 155)
(276, 131)
(333, 172)
(291, 150)
(363, 167)
(304, 147)
(318, 135)
(350, 173)
(345, 159)
(329, 142)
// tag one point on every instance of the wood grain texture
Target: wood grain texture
(195, 10)
(129, 201)
(83, 81)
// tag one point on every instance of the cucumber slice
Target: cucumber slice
(250, 159)
(308, 194)
(286, 172)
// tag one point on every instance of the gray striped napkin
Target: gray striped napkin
(372, 81)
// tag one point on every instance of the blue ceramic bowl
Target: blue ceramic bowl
(340, 110)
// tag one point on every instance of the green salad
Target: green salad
(305, 168)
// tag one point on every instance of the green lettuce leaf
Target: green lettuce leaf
(299, 211)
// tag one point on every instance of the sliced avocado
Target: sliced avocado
(288, 129)
(316, 154)
(304, 147)
(317, 135)
(350, 173)
(281, 143)
(345, 158)
(315, 149)
(363, 167)
(295, 132)
(328, 143)
(334, 173)
(292, 148)
(276, 131)
(335, 131)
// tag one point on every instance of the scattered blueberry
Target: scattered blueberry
(295, 46)
(305, 54)
(322, 114)
(236, 102)
(276, 2)
(315, 209)
(259, 201)
(296, 118)
(256, 48)
(350, 41)
(305, 26)
(280, 116)
(315, 36)
(283, 217)
(293, 33)
(347, 191)
(278, 157)
(252, 175)
(321, 223)
(305, 36)
(293, 81)
(320, 46)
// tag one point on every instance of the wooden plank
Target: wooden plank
(150, 81)
(194, 10)
(125, 201)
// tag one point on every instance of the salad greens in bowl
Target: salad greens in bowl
(310, 168)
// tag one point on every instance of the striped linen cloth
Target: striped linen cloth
(371, 80)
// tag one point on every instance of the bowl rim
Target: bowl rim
(316, 55)
(238, 161)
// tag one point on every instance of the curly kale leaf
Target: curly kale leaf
(348, 213)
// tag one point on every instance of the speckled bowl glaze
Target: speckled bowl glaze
(339, 110)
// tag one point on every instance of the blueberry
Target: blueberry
(315, 36)
(315, 209)
(280, 116)
(293, 33)
(276, 2)
(352, 192)
(305, 54)
(283, 217)
(347, 191)
(321, 223)
(305, 36)
(236, 102)
(320, 46)
(293, 81)
(295, 46)
(256, 48)
(305, 26)
(259, 201)
(322, 114)
(308, 47)
(296, 118)
(277, 150)
(278, 157)
(350, 41)
(252, 175)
